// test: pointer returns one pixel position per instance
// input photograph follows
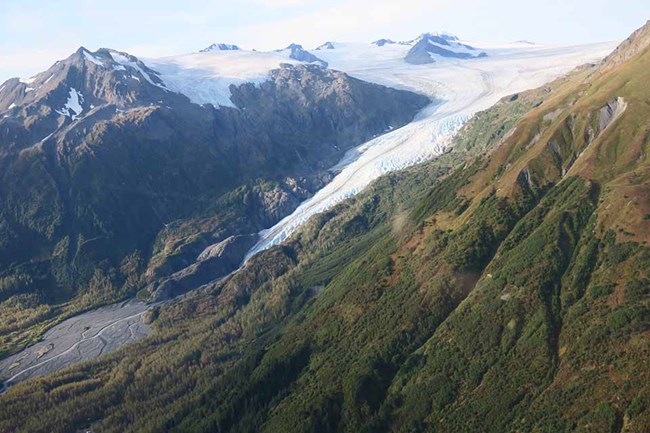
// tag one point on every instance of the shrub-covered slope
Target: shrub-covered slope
(503, 287)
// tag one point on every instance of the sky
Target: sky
(36, 33)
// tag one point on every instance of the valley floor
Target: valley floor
(79, 338)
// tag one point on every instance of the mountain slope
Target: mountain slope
(111, 180)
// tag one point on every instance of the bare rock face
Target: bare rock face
(229, 249)
(103, 167)
(215, 262)
(610, 112)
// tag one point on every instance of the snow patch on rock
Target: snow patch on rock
(126, 62)
(73, 108)
(92, 58)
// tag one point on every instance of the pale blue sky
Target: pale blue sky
(35, 33)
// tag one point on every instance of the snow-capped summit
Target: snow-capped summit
(221, 47)
(326, 46)
(297, 52)
(71, 88)
(439, 38)
(443, 38)
(381, 42)
(446, 36)
(429, 45)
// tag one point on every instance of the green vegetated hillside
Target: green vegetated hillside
(503, 287)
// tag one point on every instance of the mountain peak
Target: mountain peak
(440, 44)
(326, 46)
(73, 87)
(220, 47)
(439, 38)
(442, 38)
(297, 52)
(383, 41)
(445, 35)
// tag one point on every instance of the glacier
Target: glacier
(459, 89)
(206, 77)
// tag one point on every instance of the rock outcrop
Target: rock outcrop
(213, 263)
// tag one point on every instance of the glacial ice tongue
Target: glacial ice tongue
(460, 88)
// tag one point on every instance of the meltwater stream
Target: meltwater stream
(82, 337)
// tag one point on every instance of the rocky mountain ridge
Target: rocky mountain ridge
(110, 180)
